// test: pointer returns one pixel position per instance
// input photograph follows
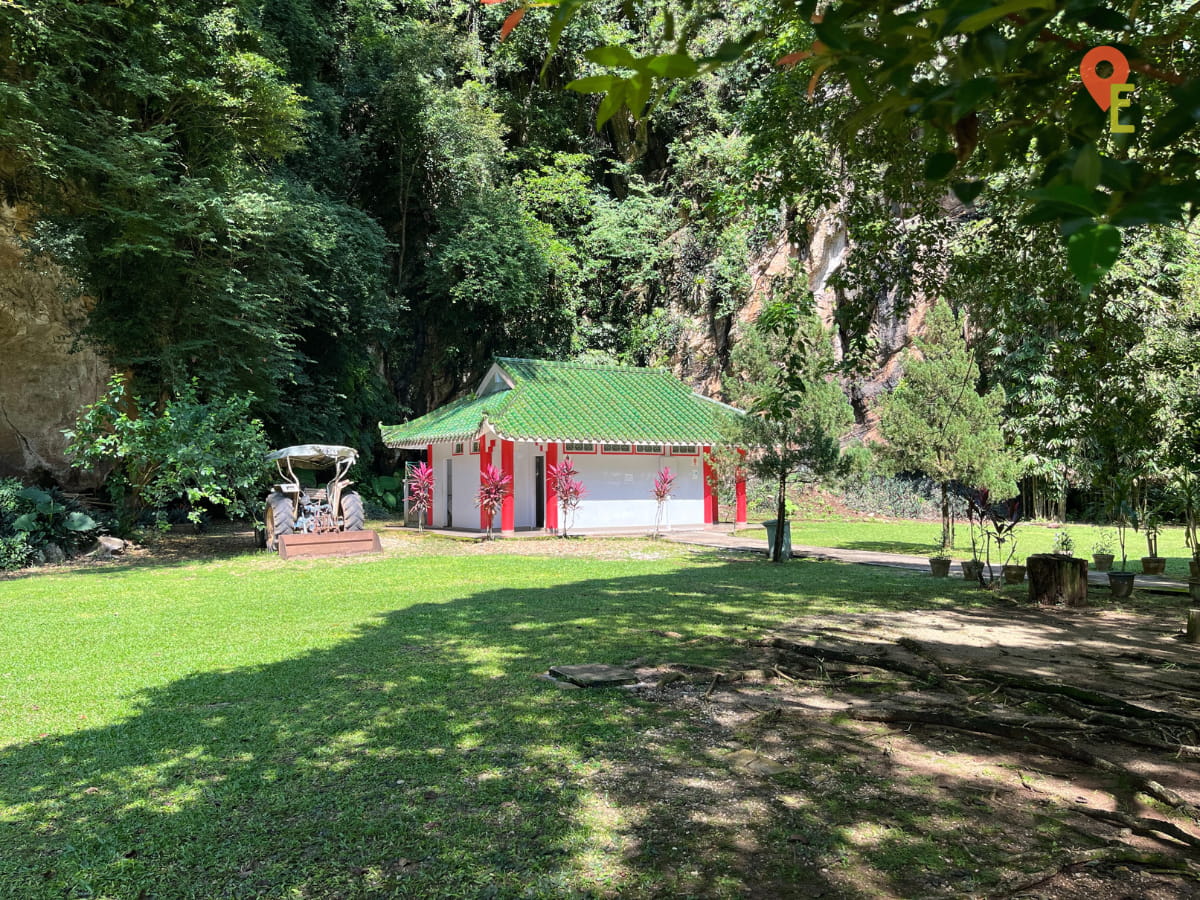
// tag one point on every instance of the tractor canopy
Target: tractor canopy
(314, 456)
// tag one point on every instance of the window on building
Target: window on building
(685, 450)
(617, 448)
(649, 448)
(475, 447)
(458, 449)
(577, 447)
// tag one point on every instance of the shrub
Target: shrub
(200, 451)
(15, 551)
(897, 496)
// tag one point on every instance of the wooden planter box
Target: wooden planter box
(338, 543)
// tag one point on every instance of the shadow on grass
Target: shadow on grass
(424, 758)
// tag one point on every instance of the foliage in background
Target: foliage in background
(937, 423)
(796, 411)
(38, 524)
(208, 453)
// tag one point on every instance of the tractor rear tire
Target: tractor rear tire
(353, 518)
(280, 518)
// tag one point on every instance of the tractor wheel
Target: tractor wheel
(353, 518)
(280, 518)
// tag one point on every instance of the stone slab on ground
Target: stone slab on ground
(594, 675)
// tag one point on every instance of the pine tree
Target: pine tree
(936, 422)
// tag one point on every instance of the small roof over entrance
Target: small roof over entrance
(535, 400)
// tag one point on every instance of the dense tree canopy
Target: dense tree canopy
(346, 207)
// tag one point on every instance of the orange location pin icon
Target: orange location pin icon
(1098, 86)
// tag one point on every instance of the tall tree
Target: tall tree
(936, 422)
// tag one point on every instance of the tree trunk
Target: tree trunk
(1057, 579)
(1193, 626)
(780, 518)
(947, 536)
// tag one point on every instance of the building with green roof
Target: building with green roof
(620, 425)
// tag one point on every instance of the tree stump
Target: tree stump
(1057, 579)
(1193, 626)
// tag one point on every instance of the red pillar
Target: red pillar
(710, 499)
(551, 496)
(485, 459)
(508, 504)
(429, 512)
(740, 518)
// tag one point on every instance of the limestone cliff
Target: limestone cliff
(701, 351)
(43, 380)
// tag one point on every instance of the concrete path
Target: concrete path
(726, 541)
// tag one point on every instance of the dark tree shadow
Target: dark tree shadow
(406, 761)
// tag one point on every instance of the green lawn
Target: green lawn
(244, 727)
(922, 537)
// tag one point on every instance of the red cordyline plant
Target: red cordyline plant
(663, 485)
(420, 492)
(494, 486)
(570, 491)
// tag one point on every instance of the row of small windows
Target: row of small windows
(580, 447)
(648, 449)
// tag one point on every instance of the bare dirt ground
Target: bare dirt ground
(1006, 752)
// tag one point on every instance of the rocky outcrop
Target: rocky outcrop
(818, 255)
(44, 379)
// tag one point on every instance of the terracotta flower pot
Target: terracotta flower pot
(1014, 574)
(972, 569)
(1120, 583)
(1153, 565)
(940, 566)
(1103, 561)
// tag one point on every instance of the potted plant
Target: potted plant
(939, 563)
(1151, 526)
(1064, 544)
(1000, 527)
(1119, 507)
(1102, 550)
(1187, 488)
(972, 569)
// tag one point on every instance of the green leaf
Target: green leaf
(1072, 198)
(78, 521)
(1086, 170)
(967, 191)
(999, 11)
(593, 84)
(1091, 252)
(939, 165)
(637, 93)
(612, 55)
(27, 522)
(611, 103)
(673, 65)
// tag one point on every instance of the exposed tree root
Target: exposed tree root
(1107, 856)
(1026, 735)
(1142, 825)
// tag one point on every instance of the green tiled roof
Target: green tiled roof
(567, 401)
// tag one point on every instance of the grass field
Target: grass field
(376, 727)
(922, 538)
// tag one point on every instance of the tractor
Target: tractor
(314, 521)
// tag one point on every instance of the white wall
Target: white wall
(620, 491)
(524, 486)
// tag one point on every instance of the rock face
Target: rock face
(701, 351)
(42, 381)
